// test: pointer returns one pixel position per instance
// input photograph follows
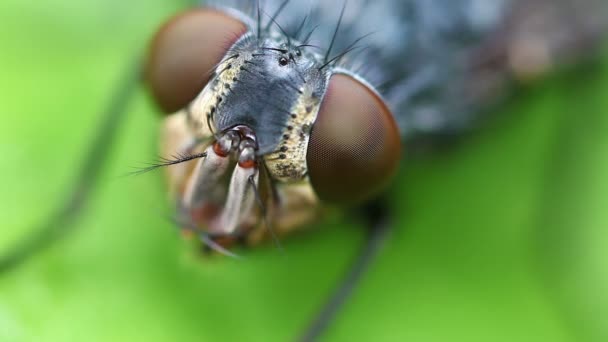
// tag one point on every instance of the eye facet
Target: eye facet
(354, 146)
(183, 53)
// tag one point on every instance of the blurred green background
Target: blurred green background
(502, 238)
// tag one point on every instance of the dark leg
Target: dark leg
(62, 220)
(378, 228)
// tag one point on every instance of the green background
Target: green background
(502, 238)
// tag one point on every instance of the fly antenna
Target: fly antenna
(165, 162)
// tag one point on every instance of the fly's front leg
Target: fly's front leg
(62, 220)
(378, 227)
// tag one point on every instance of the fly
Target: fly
(280, 127)
(275, 111)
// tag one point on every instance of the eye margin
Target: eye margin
(354, 148)
(183, 52)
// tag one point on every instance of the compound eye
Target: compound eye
(184, 52)
(354, 146)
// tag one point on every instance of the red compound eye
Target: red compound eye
(183, 53)
(354, 147)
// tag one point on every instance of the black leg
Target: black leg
(378, 227)
(62, 220)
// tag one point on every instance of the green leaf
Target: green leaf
(501, 238)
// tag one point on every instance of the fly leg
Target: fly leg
(377, 229)
(61, 222)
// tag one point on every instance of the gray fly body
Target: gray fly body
(438, 62)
